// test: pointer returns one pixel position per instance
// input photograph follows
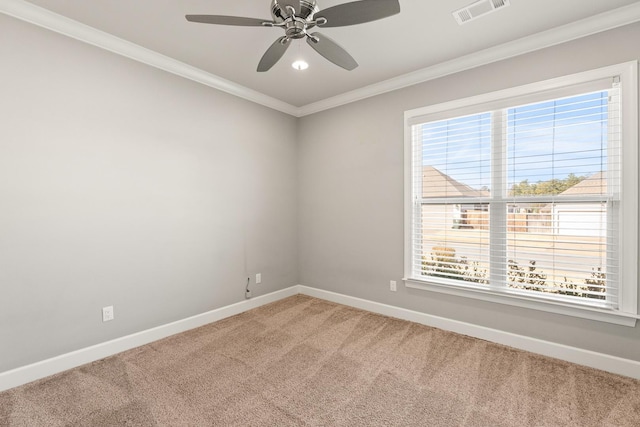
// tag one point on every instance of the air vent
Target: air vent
(478, 9)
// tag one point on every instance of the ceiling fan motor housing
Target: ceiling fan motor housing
(280, 9)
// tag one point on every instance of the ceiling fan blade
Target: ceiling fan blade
(332, 51)
(297, 4)
(227, 20)
(273, 54)
(358, 12)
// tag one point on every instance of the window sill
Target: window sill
(584, 312)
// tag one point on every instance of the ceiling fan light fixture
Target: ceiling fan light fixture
(300, 65)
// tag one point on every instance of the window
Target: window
(529, 196)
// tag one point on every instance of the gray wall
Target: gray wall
(124, 185)
(351, 195)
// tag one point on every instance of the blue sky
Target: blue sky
(545, 140)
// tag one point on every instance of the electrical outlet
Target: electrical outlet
(258, 278)
(107, 313)
(392, 286)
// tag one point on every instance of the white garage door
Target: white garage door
(582, 222)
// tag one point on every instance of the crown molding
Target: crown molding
(39, 16)
(36, 15)
(583, 28)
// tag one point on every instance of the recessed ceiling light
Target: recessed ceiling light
(300, 65)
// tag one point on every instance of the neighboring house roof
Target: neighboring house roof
(595, 184)
(438, 184)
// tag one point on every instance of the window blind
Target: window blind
(523, 198)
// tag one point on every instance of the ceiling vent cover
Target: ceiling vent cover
(478, 9)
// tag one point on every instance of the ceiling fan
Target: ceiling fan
(296, 17)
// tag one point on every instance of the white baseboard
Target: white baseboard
(605, 362)
(35, 371)
(45, 368)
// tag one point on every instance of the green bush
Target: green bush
(444, 263)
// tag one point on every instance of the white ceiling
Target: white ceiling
(422, 36)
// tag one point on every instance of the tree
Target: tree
(545, 188)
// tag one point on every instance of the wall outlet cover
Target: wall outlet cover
(107, 313)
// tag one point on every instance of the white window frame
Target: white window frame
(627, 312)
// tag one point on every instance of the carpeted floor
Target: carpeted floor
(308, 362)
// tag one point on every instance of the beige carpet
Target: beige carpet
(304, 361)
